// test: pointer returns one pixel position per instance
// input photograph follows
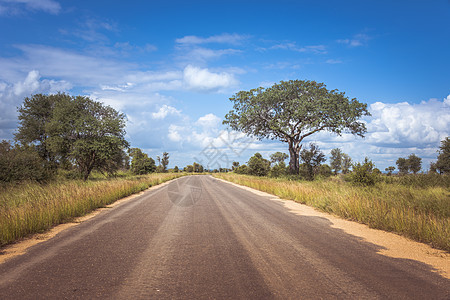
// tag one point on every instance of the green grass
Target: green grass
(422, 214)
(29, 208)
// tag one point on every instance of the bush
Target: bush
(364, 174)
(20, 163)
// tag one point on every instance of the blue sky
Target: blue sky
(171, 66)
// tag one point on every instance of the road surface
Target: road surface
(201, 238)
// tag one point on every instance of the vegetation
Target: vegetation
(442, 164)
(194, 168)
(31, 207)
(420, 213)
(364, 174)
(140, 163)
(413, 163)
(66, 129)
(258, 166)
(293, 110)
(312, 159)
(22, 163)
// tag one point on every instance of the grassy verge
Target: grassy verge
(422, 214)
(31, 208)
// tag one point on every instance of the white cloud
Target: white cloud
(224, 38)
(174, 133)
(358, 40)
(204, 80)
(209, 121)
(12, 95)
(405, 125)
(17, 6)
(164, 111)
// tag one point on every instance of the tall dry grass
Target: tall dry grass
(422, 214)
(31, 207)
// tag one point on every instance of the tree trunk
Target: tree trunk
(294, 158)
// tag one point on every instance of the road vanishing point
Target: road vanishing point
(198, 237)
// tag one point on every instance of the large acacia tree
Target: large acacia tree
(293, 110)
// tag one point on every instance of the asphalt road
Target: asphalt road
(201, 238)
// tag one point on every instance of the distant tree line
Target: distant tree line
(365, 173)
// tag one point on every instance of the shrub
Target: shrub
(364, 174)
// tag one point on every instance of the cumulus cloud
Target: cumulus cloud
(405, 125)
(203, 80)
(164, 111)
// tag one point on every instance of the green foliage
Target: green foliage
(235, 165)
(402, 165)
(278, 157)
(413, 163)
(364, 174)
(390, 169)
(258, 166)
(241, 169)
(336, 160)
(67, 130)
(325, 171)
(312, 159)
(293, 110)
(35, 114)
(443, 161)
(278, 170)
(346, 163)
(20, 163)
(189, 169)
(141, 163)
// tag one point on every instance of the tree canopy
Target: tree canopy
(293, 110)
(67, 129)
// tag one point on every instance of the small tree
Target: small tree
(336, 160)
(235, 165)
(364, 174)
(390, 170)
(165, 161)
(414, 163)
(402, 165)
(176, 170)
(346, 163)
(258, 166)
(141, 163)
(243, 169)
(443, 161)
(312, 159)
